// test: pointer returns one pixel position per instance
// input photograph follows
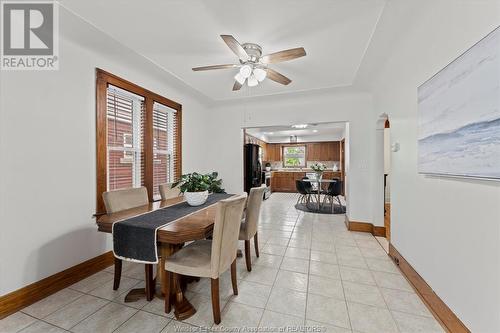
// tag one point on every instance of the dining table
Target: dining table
(320, 182)
(170, 238)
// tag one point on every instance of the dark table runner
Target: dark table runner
(135, 238)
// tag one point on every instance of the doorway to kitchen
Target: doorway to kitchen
(307, 160)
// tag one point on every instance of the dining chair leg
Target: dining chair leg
(233, 278)
(256, 244)
(166, 286)
(248, 258)
(215, 300)
(150, 287)
(340, 204)
(118, 274)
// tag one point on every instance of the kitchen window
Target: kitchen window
(294, 156)
(138, 137)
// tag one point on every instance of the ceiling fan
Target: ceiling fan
(253, 65)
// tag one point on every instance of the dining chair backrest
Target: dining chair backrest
(307, 185)
(225, 233)
(300, 186)
(169, 192)
(118, 200)
(254, 202)
(335, 188)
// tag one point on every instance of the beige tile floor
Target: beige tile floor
(311, 271)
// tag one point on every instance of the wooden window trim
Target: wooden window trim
(103, 79)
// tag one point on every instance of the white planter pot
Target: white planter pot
(196, 198)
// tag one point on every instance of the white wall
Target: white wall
(448, 229)
(47, 141)
(228, 119)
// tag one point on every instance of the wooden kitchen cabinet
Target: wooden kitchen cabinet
(284, 181)
(273, 152)
(313, 151)
(323, 151)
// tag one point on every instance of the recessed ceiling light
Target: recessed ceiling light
(315, 131)
(299, 126)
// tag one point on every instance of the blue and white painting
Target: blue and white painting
(459, 115)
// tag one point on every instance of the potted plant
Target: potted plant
(196, 187)
(318, 168)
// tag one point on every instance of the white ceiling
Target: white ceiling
(179, 34)
(312, 133)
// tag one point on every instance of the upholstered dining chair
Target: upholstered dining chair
(250, 222)
(116, 201)
(209, 258)
(169, 192)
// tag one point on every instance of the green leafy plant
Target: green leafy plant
(196, 182)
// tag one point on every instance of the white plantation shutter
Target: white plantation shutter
(164, 146)
(124, 116)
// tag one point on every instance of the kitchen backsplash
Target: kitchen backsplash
(329, 164)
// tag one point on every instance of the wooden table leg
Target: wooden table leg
(134, 295)
(182, 308)
(166, 250)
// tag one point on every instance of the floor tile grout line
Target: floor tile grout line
(169, 320)
(274, 282)
(89, 315)
(308, 276)
(36, 319)
(60, 308)
(343, 291)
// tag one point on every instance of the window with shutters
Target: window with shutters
(164, 143)
(138, 137)
(124, 133)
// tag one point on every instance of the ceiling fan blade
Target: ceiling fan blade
(208, 68)
(283, 55)
(237, 86)
(235, 47)
(275, 76)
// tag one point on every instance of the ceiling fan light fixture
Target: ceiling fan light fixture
(246, 71)
(238, 77)
(252, 81)
(260, 74)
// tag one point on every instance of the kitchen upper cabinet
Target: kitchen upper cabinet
(323, 151)
(330, 151)
(273, 152)
(313, 152)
